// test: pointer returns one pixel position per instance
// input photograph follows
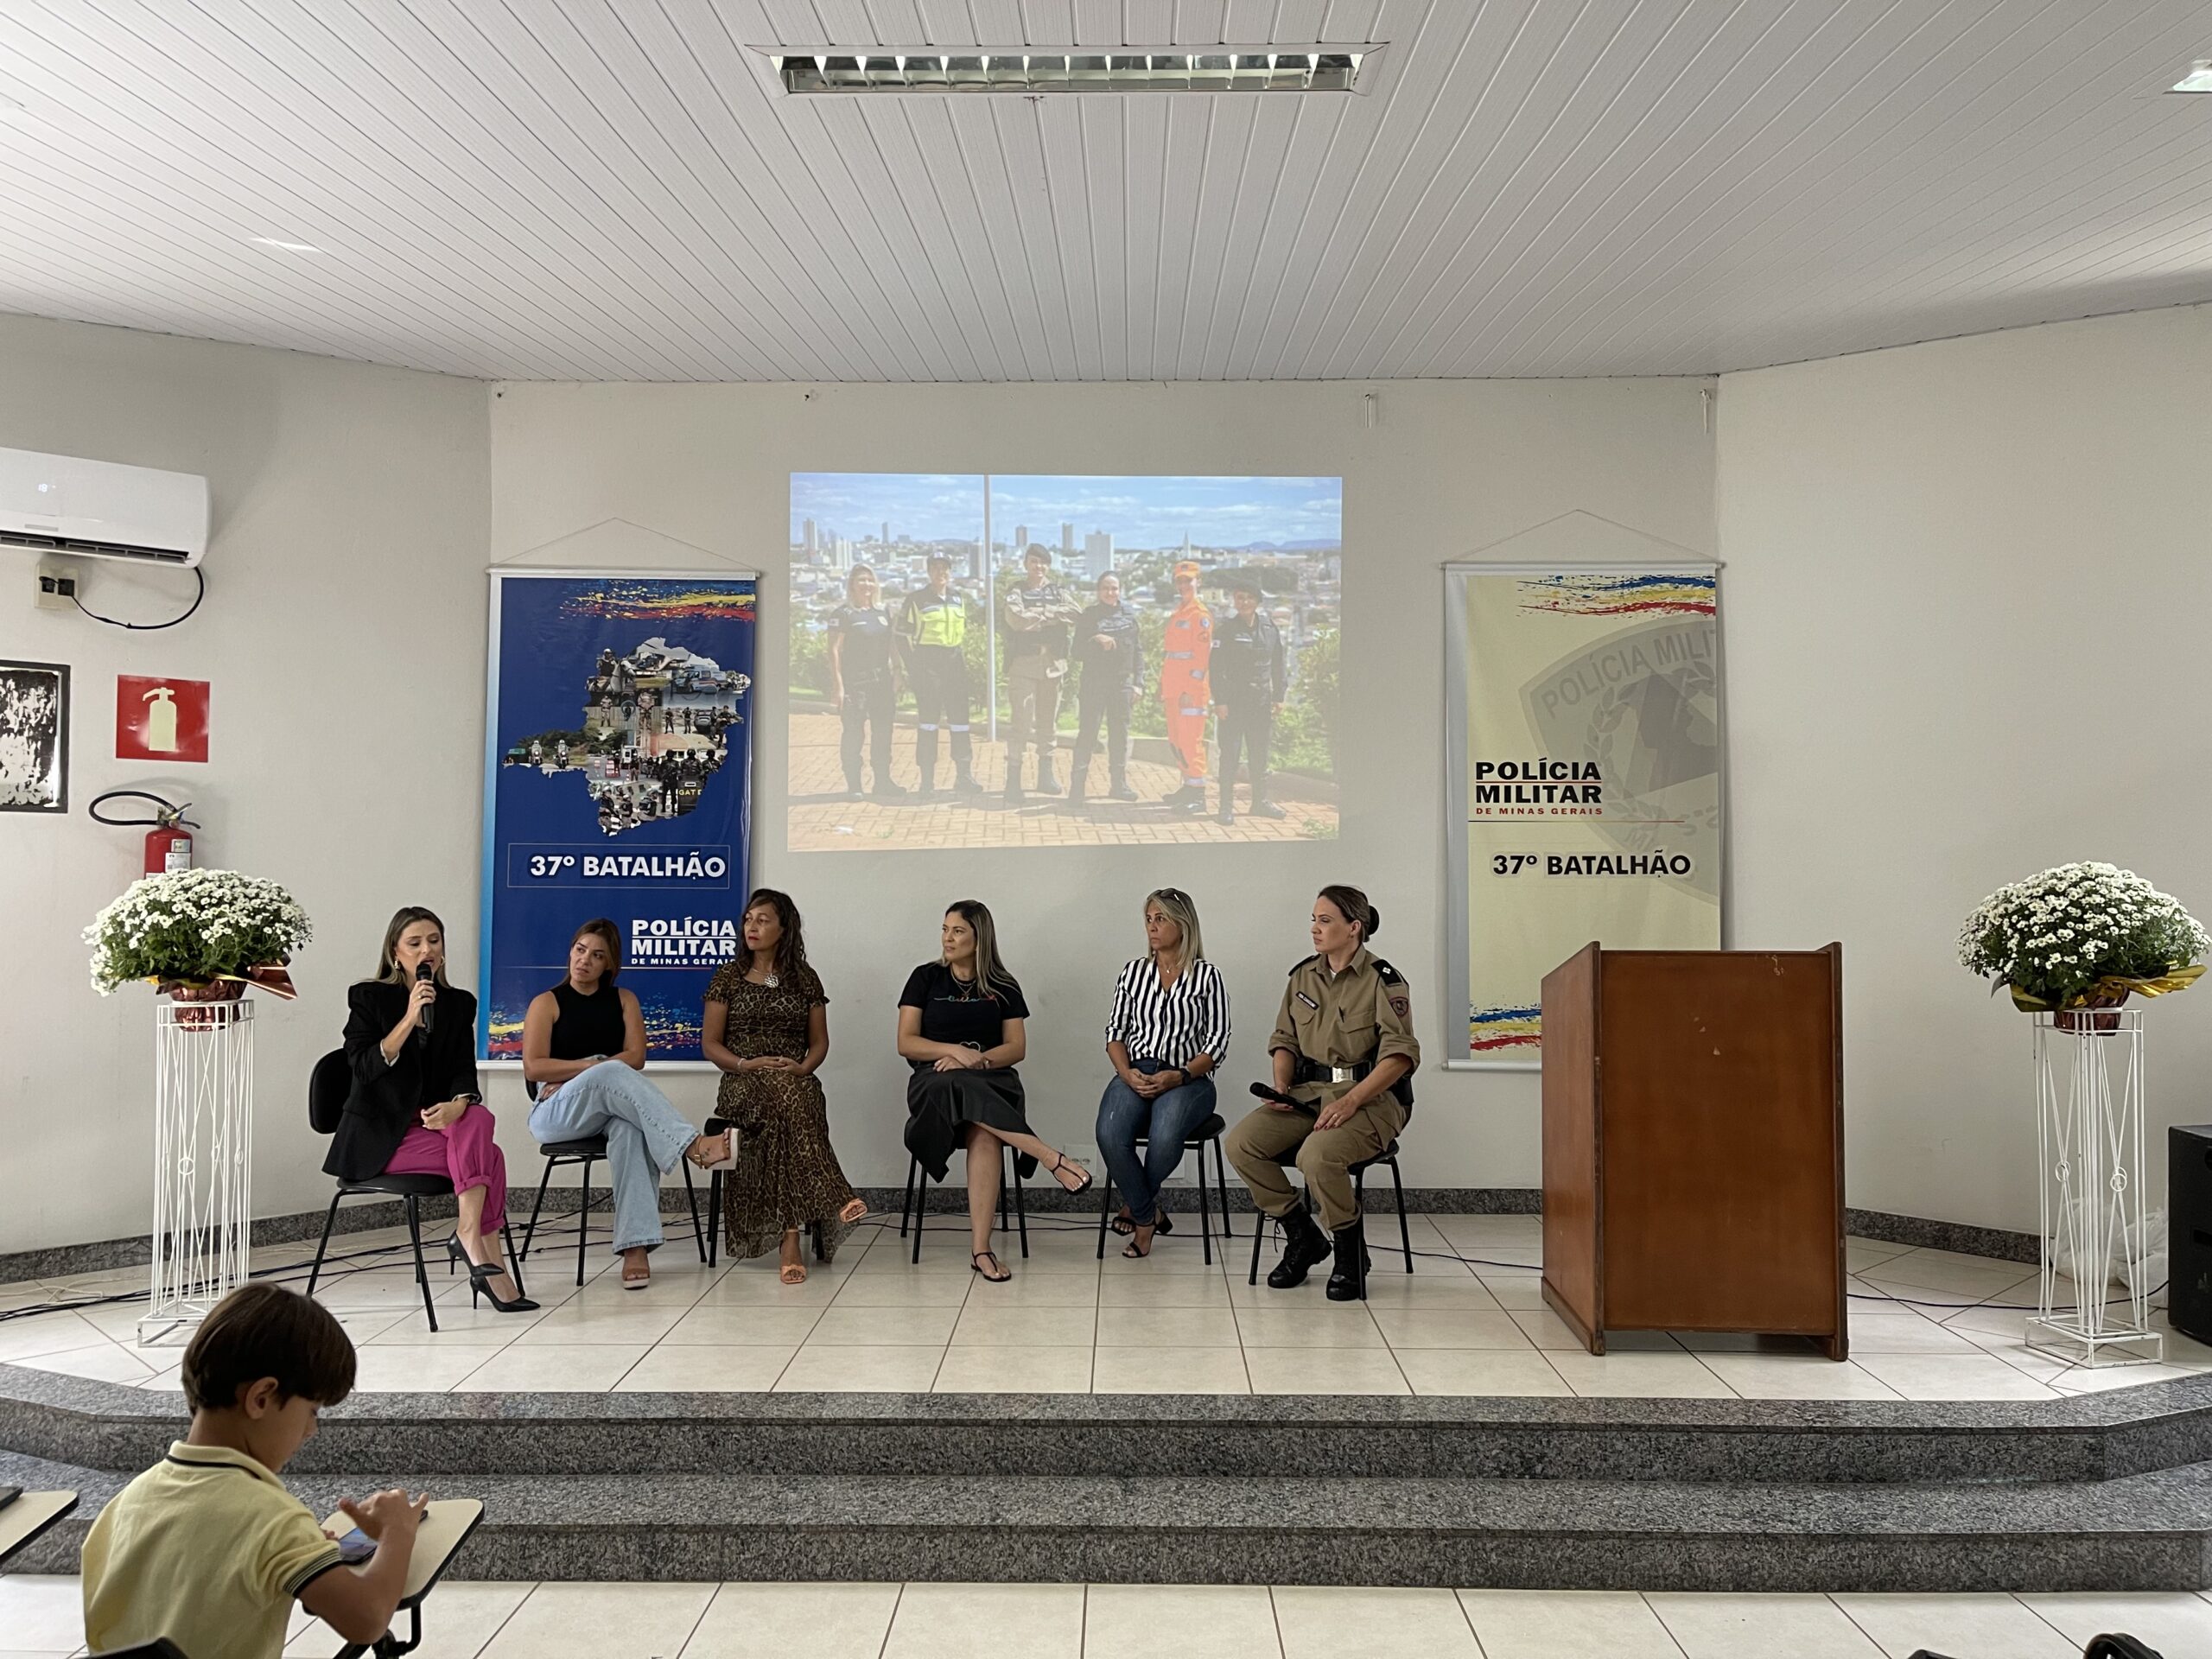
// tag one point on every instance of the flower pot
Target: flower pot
(2088, 1019)
(215, 990)
(198, 999)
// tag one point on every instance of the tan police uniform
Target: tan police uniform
(1354, 1019)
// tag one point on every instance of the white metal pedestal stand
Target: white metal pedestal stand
(2089, 1133)
(203, 1160)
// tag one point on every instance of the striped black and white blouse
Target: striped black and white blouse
(1172, 1023)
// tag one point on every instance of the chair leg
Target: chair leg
(514, 1261)
(422, 1273)
(921, 1206)
(691, 1199)
(1205, 1216)
(315, 1272)
(714, 1214)
(1020, 1205)
(529, 1233)
(1259, 1233)
(584, 1221)
(906, 1198)
(1404, 1237)
(1105, 1213)
(1221, 1186)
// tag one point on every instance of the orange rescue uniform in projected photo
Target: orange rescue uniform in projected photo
(1183, 694)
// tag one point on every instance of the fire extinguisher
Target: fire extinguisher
(168, 838)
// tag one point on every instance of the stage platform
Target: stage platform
(1162, 1421)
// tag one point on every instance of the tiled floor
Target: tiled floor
(1925, 1325)
(1070, 1621)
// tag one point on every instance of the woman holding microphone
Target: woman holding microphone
(416, 1107)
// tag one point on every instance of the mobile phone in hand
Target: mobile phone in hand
(356, 1546)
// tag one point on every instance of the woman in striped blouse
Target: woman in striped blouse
(1168, 1034)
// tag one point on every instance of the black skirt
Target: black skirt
(940, 1104)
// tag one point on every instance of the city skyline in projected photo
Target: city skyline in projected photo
(1008, 660)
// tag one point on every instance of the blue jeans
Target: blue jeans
(1123, 1114)
(645, 1137)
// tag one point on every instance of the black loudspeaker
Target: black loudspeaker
(2189, 1230)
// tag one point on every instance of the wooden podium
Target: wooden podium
(1693, 1142)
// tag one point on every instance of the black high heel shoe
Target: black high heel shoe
(481, 1274)
(456, 1256)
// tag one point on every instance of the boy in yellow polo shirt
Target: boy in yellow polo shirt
(207, 1547)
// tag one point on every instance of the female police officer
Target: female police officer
(1343, 1054)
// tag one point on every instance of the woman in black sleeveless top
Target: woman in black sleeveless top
(583, 1052)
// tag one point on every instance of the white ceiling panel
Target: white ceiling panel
(617, 189)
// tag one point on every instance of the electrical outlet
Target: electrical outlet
(57, 588)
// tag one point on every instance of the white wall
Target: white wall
(1967, 586)
(1967, 590)
(343, 633)
(634, 474)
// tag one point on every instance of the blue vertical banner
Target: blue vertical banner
(617, 782)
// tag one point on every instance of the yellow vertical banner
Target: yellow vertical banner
(1585, 778)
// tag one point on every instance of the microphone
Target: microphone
(1276, 1095)
(422, 971)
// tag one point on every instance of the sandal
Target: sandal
(1125, 1226)
(853, 1212)
(726, 1159)
(640, 1278)
(1060, 1161)
(975, 1265)
(792, 1273)
(1137, 1249)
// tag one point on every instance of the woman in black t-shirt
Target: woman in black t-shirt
(960, 1025)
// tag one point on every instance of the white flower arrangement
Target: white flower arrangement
(2082, 935)
(193, 927)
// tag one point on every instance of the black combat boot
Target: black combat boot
(1349, 1277)
(1305, 1246)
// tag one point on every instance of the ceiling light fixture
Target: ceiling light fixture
(278, 242)
(2198, 79)
(987, 69)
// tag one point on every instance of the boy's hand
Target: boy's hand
(384, 1511)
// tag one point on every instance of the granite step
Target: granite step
(2147, 1532)
(2097, 1437)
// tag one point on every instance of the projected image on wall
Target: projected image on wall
(995, 660)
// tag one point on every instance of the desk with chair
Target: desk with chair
(447, 1525)
(26, 1517)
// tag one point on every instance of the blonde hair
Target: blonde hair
(388, 959)
(991, 975)
(1179, 908)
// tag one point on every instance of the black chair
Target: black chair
(330, 1084)
(1388, 1155)
(1206, 1132)
(587, 1151)
(717, 1126)
(916, 1198)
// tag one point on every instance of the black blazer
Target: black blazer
(386, 1100)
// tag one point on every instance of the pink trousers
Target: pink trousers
(467, 1153)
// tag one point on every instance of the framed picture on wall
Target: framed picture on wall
(33, 737)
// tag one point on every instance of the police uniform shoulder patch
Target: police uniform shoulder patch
(1401, 1004)
(1308, 962)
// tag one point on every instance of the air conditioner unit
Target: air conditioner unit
(98, 510)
